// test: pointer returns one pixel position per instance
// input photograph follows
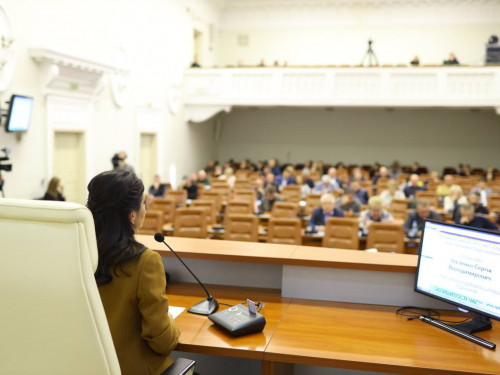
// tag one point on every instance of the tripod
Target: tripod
(369, 53)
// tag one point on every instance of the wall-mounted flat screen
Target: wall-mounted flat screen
(19, 115)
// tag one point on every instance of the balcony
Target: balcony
(210, 91)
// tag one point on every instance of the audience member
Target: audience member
(475, 200)
(196, 63)
(157, 190)
(465, 171)
(270, 179)
(444, 189)
(306, 171)
(55, 191)
(305, 189)
(334, 180)
(259, 188)
(274, 167)
(395, 169)
(415, 169)
(270, 197)
(382, 173)
(203, 178)
(433, 177)
(324, 186)
(321, 214)
(391, 193)
(483, 190)
(468, 218)
(359, 193)
(375, 170)
(415, 220)
(210, 168)
(414, 184)
(229, 177)
(218, 171)
(122, 162)
(375, 213)
(190, 185)
(455, 198)
(285, 179)
(349, 204)
(452, 60)
(415, 61)
(357, 175)
(490, 176)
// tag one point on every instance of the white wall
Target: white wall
(435, 138)
(336, 32)
(157, 34)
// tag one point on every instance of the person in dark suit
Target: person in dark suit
(321, 214)
(157, 190)
(468, 218)
(413, 186)
(452, 60)
(359, 193)
(55, 191)
(415, 220)
(130, 277)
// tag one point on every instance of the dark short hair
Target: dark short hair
(271, 189)
(349, 191)
(112, 196)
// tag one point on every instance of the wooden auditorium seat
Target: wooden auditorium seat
(285, 210)
(494, 203)
(313, 201)
(341, 233)
(209, 207)
(386, 237)
(242, 227)
(430, 196)
(284, 231)
(399, 208)
(165, 205)
(291, 193)
(239, 207)
(245, 195)
(214, 196)
(223, 188)
(179, 196)
(190, 222)
(153, 223)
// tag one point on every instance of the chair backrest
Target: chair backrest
(285, 209)
(223, 188)
(245, 195)
(242, 228)
(494, 203)
(179, 197)
(243, 184)
(432, 186)
(239, 207)
(153, 223)
(215, 196)
(386, 237)
(465, 183)
(430, 196)
(494, 186)
(190, 222)
(292, 193)
(399, 208)
(53, 321)
(167, 206)
(313, 201)
(285, 231)
(368, 186)
(382, 184)
(209, 207)
(341, 233)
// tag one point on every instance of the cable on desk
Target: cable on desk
(260, 304)
(410, 314)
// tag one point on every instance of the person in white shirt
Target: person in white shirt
(304, 188)
(483, 190)
(455, 198)
(391, 193)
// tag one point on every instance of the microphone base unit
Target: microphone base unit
(238, 321)
(206, 307)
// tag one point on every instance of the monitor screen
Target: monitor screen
(460, 265)
(19, 115)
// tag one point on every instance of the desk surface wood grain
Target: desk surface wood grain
(374, 338)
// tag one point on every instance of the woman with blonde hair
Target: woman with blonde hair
(55, 191)
(375, 213)
(391, 193)
(229, 177)
(455, 198)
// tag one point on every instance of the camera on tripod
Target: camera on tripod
(5, 167)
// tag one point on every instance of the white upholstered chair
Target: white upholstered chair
(52, 319)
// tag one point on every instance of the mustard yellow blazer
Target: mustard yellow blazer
(136, 306)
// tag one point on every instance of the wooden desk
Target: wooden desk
(373, 338)
(199, 335)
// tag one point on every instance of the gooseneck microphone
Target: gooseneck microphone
(206, 307)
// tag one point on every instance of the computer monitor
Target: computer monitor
(461, 265)
(19, 115)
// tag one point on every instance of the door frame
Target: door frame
(71, 116)
(150, 121)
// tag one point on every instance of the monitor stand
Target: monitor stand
(477, 324)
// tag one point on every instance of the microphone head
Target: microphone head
(159, 237)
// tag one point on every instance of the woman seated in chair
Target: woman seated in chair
(131, 278)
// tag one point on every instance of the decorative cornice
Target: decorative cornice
(248, 5)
